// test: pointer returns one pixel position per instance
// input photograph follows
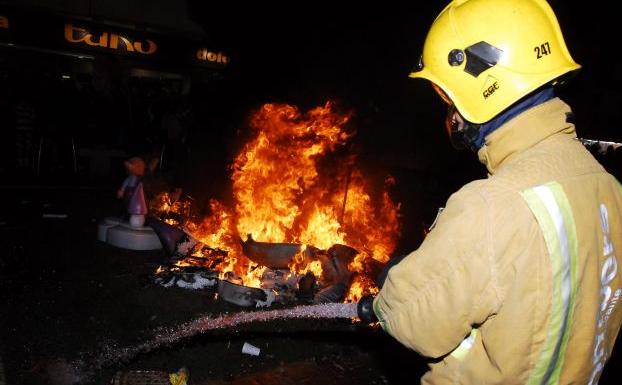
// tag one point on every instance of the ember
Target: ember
(301, 206)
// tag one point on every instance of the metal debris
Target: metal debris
(331, 294)
(175, 240)
(244, 295)
(307, 286)
(342, 252)
(189, 278)
(273, 255)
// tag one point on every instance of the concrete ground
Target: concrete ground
(65, 297)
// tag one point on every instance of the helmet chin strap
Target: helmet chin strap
(462, 133)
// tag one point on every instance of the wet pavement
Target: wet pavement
(65, 296)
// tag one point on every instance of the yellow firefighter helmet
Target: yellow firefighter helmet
(485, 55)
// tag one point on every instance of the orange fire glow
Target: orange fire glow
(296, 181)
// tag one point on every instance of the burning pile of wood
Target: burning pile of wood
(193, 266)
(320, 228)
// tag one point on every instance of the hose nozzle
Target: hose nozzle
(365, 309)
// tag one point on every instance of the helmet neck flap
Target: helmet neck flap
(472, 135)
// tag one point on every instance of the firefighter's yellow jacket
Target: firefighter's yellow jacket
(519, 282)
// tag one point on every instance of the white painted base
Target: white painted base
(105, 225)
(121, 234)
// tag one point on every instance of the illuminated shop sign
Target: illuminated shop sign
(56, 33)
(205, 55)
(110, 40)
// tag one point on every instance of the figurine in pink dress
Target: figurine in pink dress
(132, 193)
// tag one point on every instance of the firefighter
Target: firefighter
(520, 280)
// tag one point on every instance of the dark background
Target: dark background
(359, 55)
(305, 54)
(356, 55)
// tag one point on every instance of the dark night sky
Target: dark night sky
(341, 48)
(302, 53)
(361, 55)
(358, 54)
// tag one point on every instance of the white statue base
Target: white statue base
(119, 233)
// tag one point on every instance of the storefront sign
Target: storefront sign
(110, 40)
(205, 55)
(74, 35)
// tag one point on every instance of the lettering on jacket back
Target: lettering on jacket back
(608, 272)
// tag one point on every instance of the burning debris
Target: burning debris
(187, 278)
(274, 255)
(316, 229)
(177, 242)
(244, 295)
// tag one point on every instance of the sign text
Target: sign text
(77, 35)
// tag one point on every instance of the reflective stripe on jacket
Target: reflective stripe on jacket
(518, 283)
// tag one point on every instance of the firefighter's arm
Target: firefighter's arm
(431, 300)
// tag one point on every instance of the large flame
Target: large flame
(275, 177)
(296, 181)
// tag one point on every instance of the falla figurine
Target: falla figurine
(132, 192)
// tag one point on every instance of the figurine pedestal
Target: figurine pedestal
(120, 234)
